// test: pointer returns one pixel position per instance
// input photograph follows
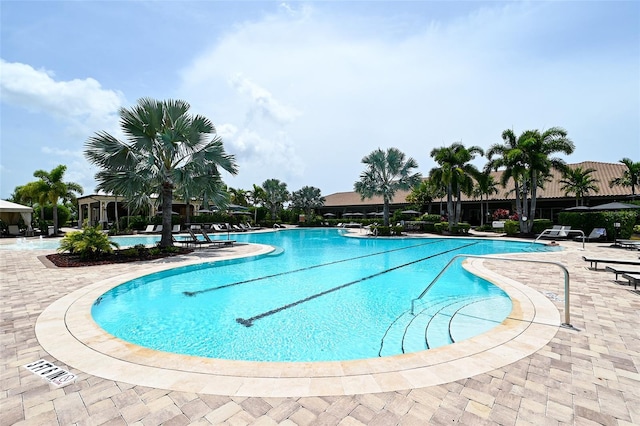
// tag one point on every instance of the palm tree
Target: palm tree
(456, 173)
(52, 188)
(275, 195)
(238, 196)
(527, 160)
(307, 199)
(163, 144)
(256, 195)
(485, 185)
(386, 173)
(579, 181)
(630, 177)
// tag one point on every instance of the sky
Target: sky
(302, 91)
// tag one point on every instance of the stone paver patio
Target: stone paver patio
(588, 375)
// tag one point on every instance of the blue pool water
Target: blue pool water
(322, 297)
(53, 244)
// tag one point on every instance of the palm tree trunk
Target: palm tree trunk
(481, 210)
(450, 213)
(55, 218)
(116, 215)
(534, 195)
(167, 206)
(385, 212)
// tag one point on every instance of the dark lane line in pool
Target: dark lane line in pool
(194, 293)
(249, 321)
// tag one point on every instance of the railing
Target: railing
(567, 316)
(543, 233)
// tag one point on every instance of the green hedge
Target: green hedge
(540, 225)
(586, 221)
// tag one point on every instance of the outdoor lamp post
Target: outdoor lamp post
(616, 229)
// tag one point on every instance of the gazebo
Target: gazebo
(10, 213)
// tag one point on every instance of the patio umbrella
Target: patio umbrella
(578, 209)
(410, 212)
(615, 206)
(329, 215)
(204, 211)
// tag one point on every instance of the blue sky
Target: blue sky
(302, 91)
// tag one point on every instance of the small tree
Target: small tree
(385, 174)
(630, 177)
(275, 195)
(307, 199)
(579, 181)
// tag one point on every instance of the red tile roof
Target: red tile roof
(604, 173)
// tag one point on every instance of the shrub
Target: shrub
(540, 225)
(433, 218)
(511, 227)
(397, 230)
(88, 243)
(438, 227)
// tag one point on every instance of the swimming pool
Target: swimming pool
(321, 297)
(53, 243)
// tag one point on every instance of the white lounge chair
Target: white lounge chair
(148, 229)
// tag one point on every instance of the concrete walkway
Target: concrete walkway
(587, 375)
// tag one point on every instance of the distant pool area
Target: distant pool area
(54, 243)
(324, 297)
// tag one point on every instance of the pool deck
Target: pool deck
(529, 371)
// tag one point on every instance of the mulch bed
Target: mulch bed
(65, 260)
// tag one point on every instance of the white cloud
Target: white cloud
(323, 90)
(263, 102)
(82, 104)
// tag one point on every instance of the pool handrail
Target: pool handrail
(567, 315)
(548, 232)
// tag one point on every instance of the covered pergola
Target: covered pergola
(10, 213)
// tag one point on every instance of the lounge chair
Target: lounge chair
(191, 241)
(597, 234)
(14, 230)
(554, 232)
(216, 243)
(175, 229)
(158, 229)
(628, 244)
(633, 278)
(621, 270)
(218, 228)
(594, 261)
(148, 229)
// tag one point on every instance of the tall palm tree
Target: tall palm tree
(307, 199)
(630, 177)
(527, 160)
(386, 173)
(579, 181)
(485, 185)
(256, 196)
(275, 195)
(52, 188)
(162, 142)
(456, 173)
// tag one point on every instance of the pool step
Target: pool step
(442, 321)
